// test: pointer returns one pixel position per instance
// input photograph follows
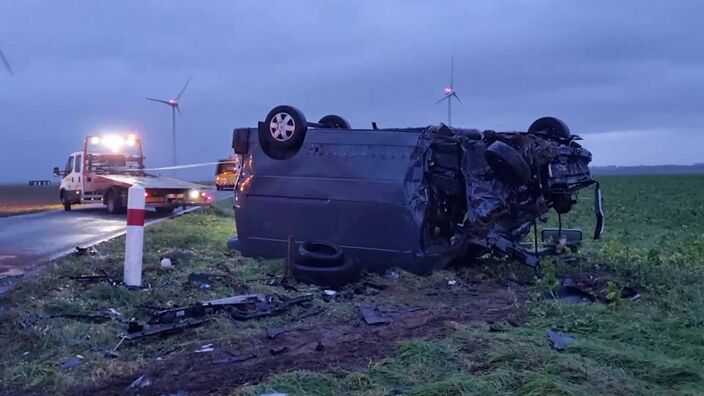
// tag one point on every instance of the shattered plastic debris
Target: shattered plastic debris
(452, 282)
(234, 359)
(71, 363)
(273, 332)
(559, 340)
(140, 383)
(104, 276)
(205, 348)
(392, 274)
(278, 350)
(372, 316)
(312, 311)
(171, 328)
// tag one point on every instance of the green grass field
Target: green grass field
(654, 242)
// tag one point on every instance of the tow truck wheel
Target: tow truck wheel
(165, 210)
(335, 122)
(282, 133)
(113, 202)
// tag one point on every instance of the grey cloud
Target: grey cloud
(602, 66)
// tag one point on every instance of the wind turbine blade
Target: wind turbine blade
(178, 97)
(441, 99)
(7, 64)
(452, 72)
(456, 97)
(160, 101)
(178, 109)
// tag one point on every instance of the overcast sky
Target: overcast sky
(627, 75)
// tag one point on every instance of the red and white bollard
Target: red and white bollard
(134, 240)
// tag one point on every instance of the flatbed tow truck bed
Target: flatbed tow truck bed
(152, 182)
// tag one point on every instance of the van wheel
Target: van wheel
(67, 204)
(552, 127)
(282, 132)
(335, 122)
(507, 164)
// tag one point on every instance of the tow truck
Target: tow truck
(109, 165)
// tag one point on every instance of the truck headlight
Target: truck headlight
(194, 194)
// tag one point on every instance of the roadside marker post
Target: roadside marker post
(134, 238)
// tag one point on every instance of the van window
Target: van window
(78, 164)
(69, 165)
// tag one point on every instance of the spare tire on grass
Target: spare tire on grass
(322, 263)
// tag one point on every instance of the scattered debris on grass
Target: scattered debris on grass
(234, 359)
(279, 350)
(104, 276)
(559, 340)
(590, 288)
(71, 363)
(138, 331)
(205, 348)
(140, 383)
(272, 332)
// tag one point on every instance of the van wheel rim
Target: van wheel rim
(282, 127)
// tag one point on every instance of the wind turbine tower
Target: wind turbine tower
(450, 93)
(174, 108)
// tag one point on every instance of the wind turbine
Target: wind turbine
(174, 107)
(7, 64)
(450, 93)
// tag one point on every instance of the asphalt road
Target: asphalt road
(28, 240)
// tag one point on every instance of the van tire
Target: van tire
(282, 133)
(335, 122)
(327, 276)
(322, 263)
(67, 204)
(507, 164)
(552, 127)
(319, 254)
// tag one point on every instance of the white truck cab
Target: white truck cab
(109, 165)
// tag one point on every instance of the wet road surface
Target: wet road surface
(28, 240)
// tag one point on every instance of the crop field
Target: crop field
(19, 198)
(478, 328)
